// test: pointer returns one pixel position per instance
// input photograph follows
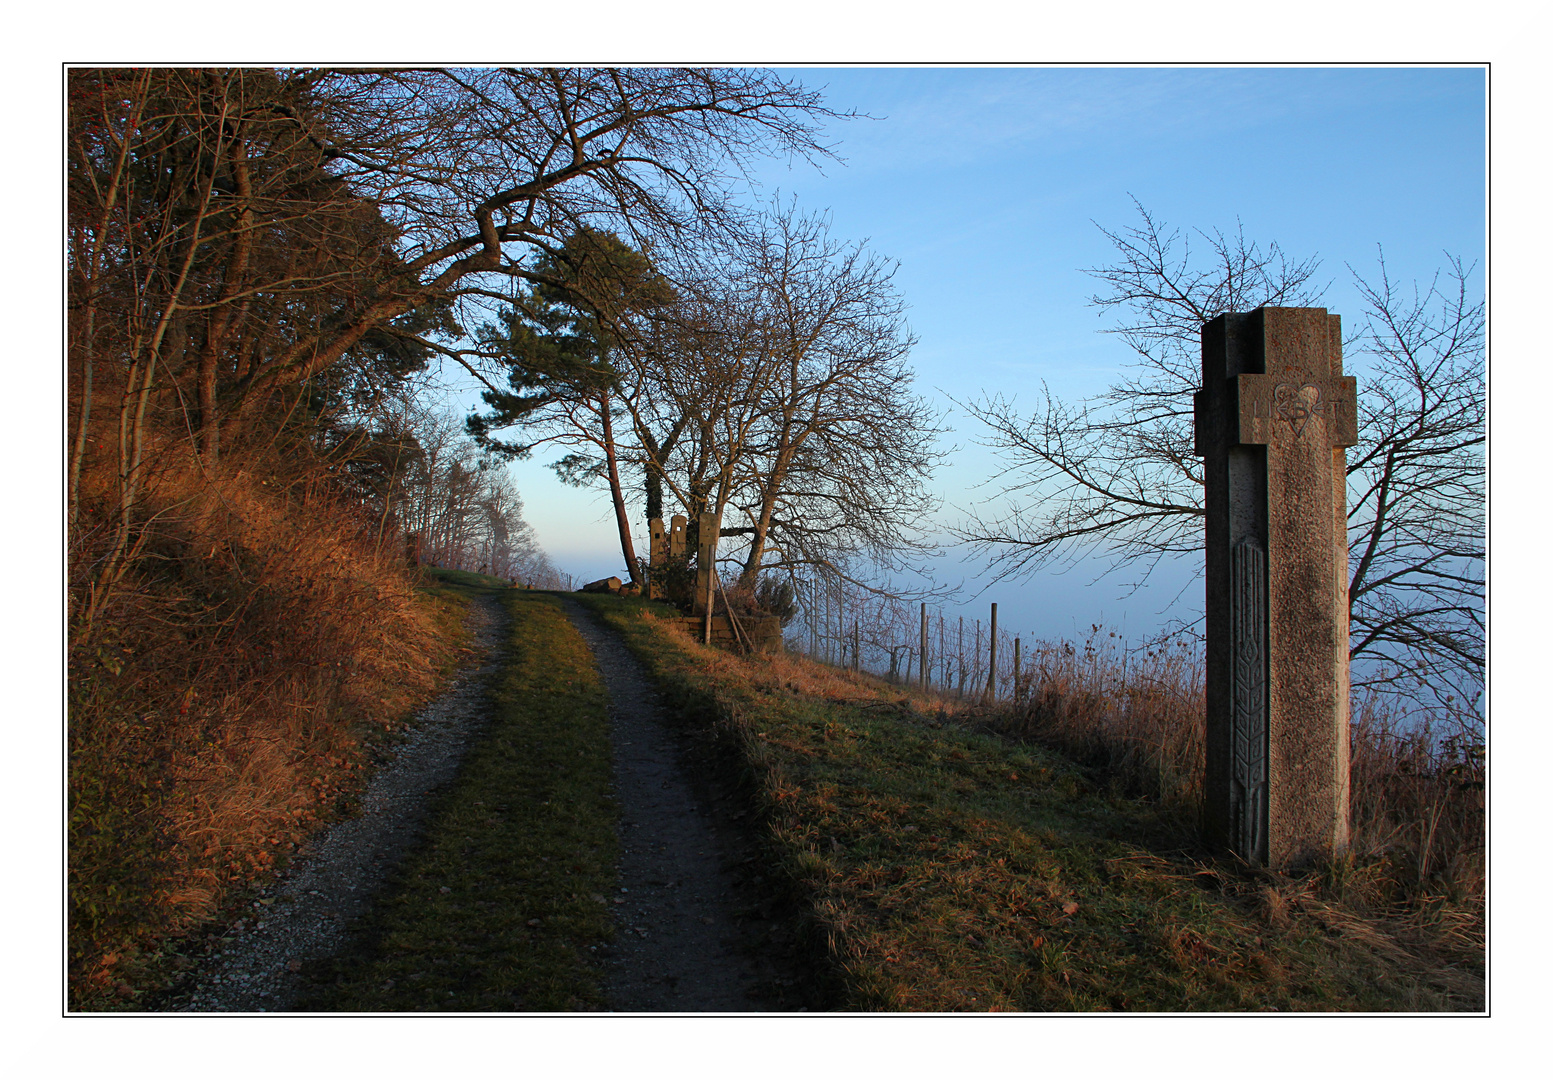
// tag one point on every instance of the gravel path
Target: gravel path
(307, 914)
(686, 938)
(694, 920)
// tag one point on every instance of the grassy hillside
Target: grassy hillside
(930, 862)
(223, 706)
(944, 868)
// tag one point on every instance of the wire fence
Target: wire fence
(911, 644)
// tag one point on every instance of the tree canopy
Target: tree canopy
(251, 251)
(763, 379)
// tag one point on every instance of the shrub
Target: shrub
(774, 596)
(217, 704)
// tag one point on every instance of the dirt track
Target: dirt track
(263, 962)
(696, 930)
(690, 936)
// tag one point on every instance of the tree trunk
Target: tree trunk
(768, 497)
(234, 277)
(617, 495)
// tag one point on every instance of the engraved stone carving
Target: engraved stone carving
(1248, 770)
(1297, 404)
(1265, 400)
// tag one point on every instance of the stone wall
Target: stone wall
(763, 631)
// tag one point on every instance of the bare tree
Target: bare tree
(1416, 489)
(421, 476)
(1118, 475)
(785, 403)
(769, 385)
(844, 448)
(244, 242)
(1119, 472)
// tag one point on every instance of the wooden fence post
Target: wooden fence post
(1016, 672)
(992, 658)
(959, 654)
(922, 676)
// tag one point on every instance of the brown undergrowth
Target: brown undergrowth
(221, 704)
(1415, 873)
(949, 862)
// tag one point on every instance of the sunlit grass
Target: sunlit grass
(222, 708)
(951, 869)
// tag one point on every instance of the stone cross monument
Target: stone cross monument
(1272, 421)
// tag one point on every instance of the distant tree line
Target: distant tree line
(428, 483)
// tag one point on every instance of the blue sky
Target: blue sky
(987, 184)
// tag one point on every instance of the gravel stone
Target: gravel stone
(334, 877)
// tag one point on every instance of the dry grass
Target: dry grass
(1415, 870)
(944, 867)
(218, 704)
(1418, 857)
(1135, 716)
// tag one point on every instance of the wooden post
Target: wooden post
(857, 639)
(943, 661)
(976, 658)
(922, 676)
(1016, 672)
(992, 658)
(959, 655)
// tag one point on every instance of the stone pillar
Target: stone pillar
(706, 558)
(677, 536)
(1272, 421)
(657, 555)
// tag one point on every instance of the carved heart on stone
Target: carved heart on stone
(1296, 404)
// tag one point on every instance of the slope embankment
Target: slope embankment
(641, 824)
(944, 867)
